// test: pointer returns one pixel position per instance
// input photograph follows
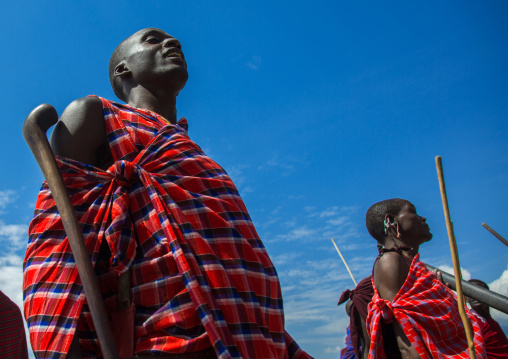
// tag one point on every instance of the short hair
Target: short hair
(117, 57)
(375, 217)
(479, 282)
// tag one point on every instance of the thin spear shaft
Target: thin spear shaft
(455, 259)
(497, 235)
(340, 254)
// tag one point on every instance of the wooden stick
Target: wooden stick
(497, 235)
(34, 132)
(340, 254)
(455, 259)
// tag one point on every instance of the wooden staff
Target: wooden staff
(497, 235)
(34, 132)
(340, 254)
(455, 259)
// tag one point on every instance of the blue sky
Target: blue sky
(316, 109)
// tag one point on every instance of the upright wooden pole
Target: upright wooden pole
(455, 259)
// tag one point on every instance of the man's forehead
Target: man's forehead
(138, 36)
(409, 205)
(148, 31)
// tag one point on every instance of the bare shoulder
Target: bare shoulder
(390, 273)
(83, 111)
(80, 132)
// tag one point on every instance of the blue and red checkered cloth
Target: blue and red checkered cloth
(200, 274)
(428, 314)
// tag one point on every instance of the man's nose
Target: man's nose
(424, 219)
(172, 42)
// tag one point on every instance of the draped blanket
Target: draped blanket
(428, 314)
(360, 298)
(200, 274)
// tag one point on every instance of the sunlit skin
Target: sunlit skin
(481, 308)
(152, 74)
(392, 269)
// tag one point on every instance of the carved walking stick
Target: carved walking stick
(34, 132)
(455, 259)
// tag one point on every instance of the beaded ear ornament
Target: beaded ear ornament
(387, 224)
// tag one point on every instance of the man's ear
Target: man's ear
(389, 218)
(121, 70)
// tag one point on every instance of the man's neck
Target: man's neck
(162, 104)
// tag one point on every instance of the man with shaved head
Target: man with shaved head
(412, 314)
(151, 204)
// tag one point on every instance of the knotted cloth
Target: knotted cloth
(200, 274)
(428, 314)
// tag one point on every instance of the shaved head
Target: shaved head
(151, 60)
(375, 217)
(117, 57)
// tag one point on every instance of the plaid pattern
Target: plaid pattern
(200, 274)
(12, 330)
(427, 312)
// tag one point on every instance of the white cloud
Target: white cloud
(285, 258)
(302, 234)
(284, 166)
(332, 211)
(13, 236)
(11, 284)
(332, 350)
(466, 275)
(500, 286)
(6, 197)
(339, 221)
(11, 277)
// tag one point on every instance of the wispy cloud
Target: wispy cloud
(313, 225)
(284, 165)
(239, 179)
(13, 236)
(255, 62)
(6, 197)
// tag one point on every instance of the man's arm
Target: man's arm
(80, 133)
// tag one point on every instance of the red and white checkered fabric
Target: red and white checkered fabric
(428, 314)
(200, 274)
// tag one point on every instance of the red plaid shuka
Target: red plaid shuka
(200, 274)
(428, 314)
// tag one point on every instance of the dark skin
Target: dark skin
(481, 308)
(408, 229)
(152, 73)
